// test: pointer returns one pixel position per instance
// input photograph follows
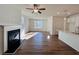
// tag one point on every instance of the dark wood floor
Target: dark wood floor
(40, 45)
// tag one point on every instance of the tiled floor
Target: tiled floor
(44, 44)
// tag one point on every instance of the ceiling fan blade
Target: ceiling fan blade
(39, 12)
(32, 11)
(42, 8)
(30, 8)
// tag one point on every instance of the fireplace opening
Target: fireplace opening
(13, 40)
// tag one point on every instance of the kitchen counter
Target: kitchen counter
(71, 39)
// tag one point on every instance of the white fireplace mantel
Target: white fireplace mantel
(6, 29)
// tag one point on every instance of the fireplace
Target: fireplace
(13, 40)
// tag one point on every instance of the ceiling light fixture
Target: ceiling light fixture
(35, 10)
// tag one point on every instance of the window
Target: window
(38, 24)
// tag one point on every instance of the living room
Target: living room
(56, 19)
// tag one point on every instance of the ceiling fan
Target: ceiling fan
(36, 9)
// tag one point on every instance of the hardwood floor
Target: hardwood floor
(42, 44)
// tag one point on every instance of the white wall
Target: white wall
(26, 24)
(50, 25)
(10, 14)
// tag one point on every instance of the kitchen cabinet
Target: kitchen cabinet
(73, 23)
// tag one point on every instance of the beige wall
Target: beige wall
(58, 24)
(1, 39)
(67, 24)
(10, 14)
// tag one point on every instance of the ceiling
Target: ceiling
(53, 10)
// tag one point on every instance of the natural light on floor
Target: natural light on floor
(31, 34)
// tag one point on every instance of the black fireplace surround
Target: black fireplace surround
(13, 40)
